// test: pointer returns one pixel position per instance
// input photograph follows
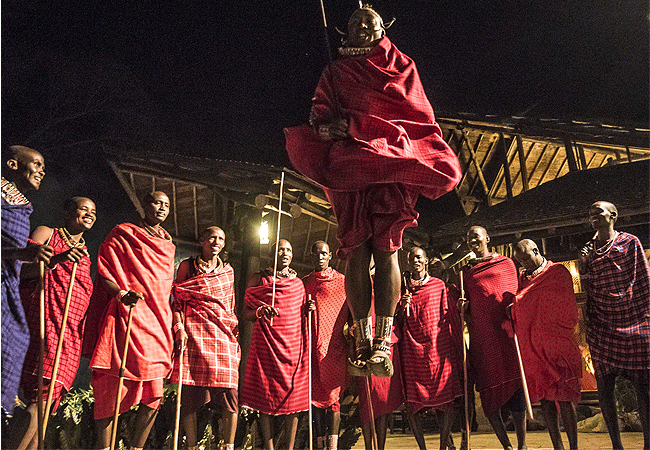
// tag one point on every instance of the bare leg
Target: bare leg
(387, 282)
(415, 421)
(607, 403)
(104, 427)
(519, 419)
(499, 429)
(144, 420)
(334, 425)
(380, 426)
(570, 422)
(552, 422)
(643, 405)
(358, 285)
(444, 423)
(266, 431)
(188, 420)
(229, 426)
(290, 429)
(25, 427)
(367, 435)
(320, 424)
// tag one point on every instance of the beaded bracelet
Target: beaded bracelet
(178, 326)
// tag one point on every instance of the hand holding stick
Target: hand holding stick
(177, 421)
(405, 277)
(311, 428)
(462, 301)
(120, 383)
(41, 417)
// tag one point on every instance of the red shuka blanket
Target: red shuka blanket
(57, 282)
(133, 259)
(491, 286)
(545, 314)
(329, 354)
(212, 355)
(430, 367)
(394, 137)
(276, 379)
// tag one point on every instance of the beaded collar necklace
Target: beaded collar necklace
(354, 51)
(605, 248)
(420, 282)
(11, 193)
(67, 238)
(287, 272)
(537, 271)
(206, 267)
(159, 233)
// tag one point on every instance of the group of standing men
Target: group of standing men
(374, 146)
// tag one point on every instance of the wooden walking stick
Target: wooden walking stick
(277, 243)
(373, 431)
(311, 428)
(405, 280)
(41, 428)
(462, 328)
(59, 347)
(120, 383)
(529, 406)
(177, 421)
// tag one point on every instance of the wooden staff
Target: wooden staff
(177, 421)
(41, 428)
(462, 331)
(120, 382)
(529, 406)
(311, 428)
(373, 431)
(277, 243)
(405, 277)
(59, 347)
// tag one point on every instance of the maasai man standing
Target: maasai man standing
(22, 172)
(69, 247)
(545, 314)
(276, 382)
(430, 364)
(204, 294)
(490, 286)
(135, 266)
(327, 289)
(374, 146)
(615, 272)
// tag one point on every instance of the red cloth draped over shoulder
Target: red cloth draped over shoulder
(212, 354)
(490, 286)
(394, 137)
(329, 374)
(57, 282)
(546, 313)
(276, 379)
(430, 365)
(134, 260)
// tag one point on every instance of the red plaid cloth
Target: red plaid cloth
(618, 307)
(329, 374)
(133, 259)
(212, 355)
(394, 142)
(490, 286)
(545, 314)
(430, 367)
(276, 380)
(57, 282)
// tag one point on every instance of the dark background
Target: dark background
(221, 79)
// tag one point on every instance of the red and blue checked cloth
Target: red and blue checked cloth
(546, 313)
(431, 370)
(618, 306)
(490, 286)
(277, 378)
(57, 282)
(329, 374)
(212, 355)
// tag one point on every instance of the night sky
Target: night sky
(223, 78)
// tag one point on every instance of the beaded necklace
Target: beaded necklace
(206, 267)
(605, 248)
(159, 233)
(421, 282)
(287, 272)
(537, 271)
(67, 238)
(354, 51)
(11, 193)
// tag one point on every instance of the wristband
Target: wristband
(178, 326)
(257, 312)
